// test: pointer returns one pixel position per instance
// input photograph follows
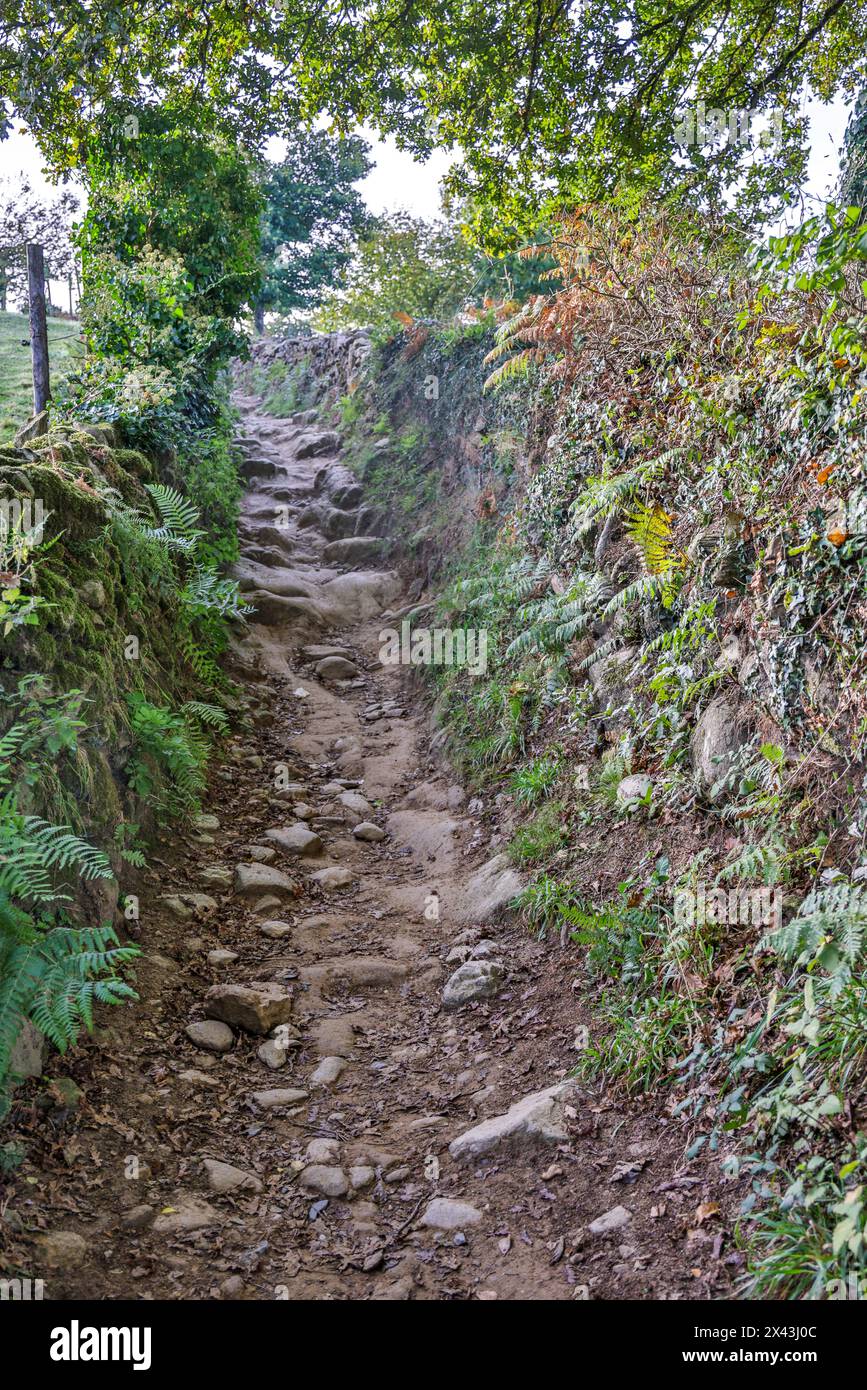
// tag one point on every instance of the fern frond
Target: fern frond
(519, 365)
(649, 528)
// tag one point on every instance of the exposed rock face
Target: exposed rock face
(257, 1007)
(721, 730)
(353, 550)
(535, 1119)
(490, 889)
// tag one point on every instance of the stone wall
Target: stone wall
(336, 363)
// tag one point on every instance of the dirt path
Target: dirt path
(366, 880)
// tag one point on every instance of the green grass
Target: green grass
(540, 837)
(16, 385)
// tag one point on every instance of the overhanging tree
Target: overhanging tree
(549, 100)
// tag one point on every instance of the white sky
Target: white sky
(399, 182)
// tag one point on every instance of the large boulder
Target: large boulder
(720, 731)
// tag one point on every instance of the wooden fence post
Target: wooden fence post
(38, 326)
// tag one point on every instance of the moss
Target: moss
(104, 807)
(134, 462)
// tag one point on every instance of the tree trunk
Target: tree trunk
(259, 316)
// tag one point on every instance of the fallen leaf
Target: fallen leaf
(628, 1172)
(705, 1210)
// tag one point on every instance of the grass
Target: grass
(646, 1039)
(16, 385)
(540, 837)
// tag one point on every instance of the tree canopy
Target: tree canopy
(312, 217)
(405, 266)
(548, 100)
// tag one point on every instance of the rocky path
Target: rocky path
(348, 1076)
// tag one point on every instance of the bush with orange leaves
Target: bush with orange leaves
(624, 290)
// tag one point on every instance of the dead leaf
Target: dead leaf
(628, 1172)
(705, 1210)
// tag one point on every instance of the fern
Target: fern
(764, 861)
(211, 715)
(179, 516)
(32, 851)
(552, 623)
(201, 662)
(77, 968)
(601, 653)
(51, 974)
(608, 493)
(829, 930)
(172, 751)
(649, 528)
(519, 365)
(648, 588)
(205, 593)
(510, 336)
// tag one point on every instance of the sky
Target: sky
(397, 181)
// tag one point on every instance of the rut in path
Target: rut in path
(188, 1172)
